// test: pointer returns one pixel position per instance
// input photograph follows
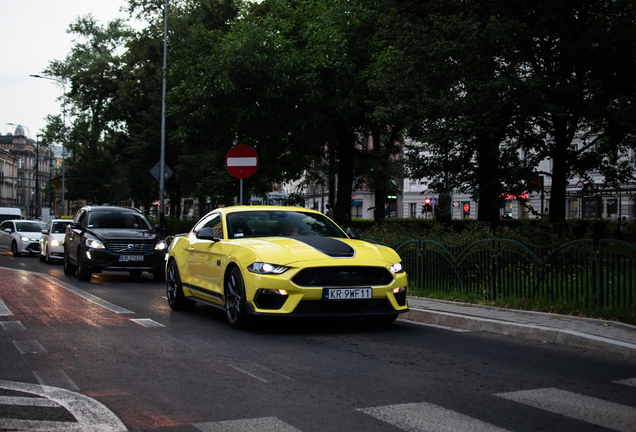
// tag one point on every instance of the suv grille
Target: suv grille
(130, 247)
(343, 276)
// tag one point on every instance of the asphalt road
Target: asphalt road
(110, 355)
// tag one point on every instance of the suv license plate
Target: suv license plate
(131, 257)
(348, 293)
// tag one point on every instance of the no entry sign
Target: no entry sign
(241, 161)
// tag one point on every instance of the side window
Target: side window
(81, 217)
(214, 222)
(6, 225)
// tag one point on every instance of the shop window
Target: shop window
(356, 211)
(591, 207)
(465, 209)
(573, 208)
(612, 208)
(412, 210)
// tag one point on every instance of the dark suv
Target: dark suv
(113, 238)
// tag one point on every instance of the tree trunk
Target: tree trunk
(346, 154)
(488, 182)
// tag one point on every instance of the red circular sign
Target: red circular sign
(241, 161)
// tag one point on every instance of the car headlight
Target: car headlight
(27, 239)
(95, 244)
(161, 245)
(396, 268)
(55, 242)
(264, 268)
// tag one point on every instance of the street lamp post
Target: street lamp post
(63, 210)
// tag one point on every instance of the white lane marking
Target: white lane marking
(259, 372)
(433, 325)
(147, 322)
(90, 414)
(264, 424)
(90, 297)
(425, 417)
(628, 382)
(592, 410)
(27, 401)
(4, 310)
(55, 378)
(29, 347)
(12, 325)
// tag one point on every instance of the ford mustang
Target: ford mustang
(283, 261)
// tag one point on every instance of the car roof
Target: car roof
(112, 208)
(253, 208)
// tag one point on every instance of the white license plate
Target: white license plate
(348, 293)
(131, 257)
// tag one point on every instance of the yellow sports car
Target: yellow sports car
(283, 261)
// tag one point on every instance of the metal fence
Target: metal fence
(593, 273)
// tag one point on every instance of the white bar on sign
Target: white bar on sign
(241, 161)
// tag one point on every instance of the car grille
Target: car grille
(343, 276)
(343, 306)
(130, 247)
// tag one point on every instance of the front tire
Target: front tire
(42, 257)
(176, 298)
(69, 269)
(83, 273)
(14, 249)
(235, 300)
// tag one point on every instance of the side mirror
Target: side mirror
(76, 225)
(7, 230)
(353, 233)
(45, 232)
(207, 234)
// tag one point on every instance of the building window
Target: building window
(591, 208)
(20, 180)
(413, 210)
(612, 208)
(356, 210)
(573, 208)
(20, 163)
(19, 198)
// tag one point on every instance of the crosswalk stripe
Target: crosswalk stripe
(4, 310)
(12, 325)
(27, 401)
(628, 382)
(29, 347)
(55, 378)
(147, 322)
(264, 424)
(592, 410)
(426, 417)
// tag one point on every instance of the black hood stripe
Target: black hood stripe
(329, 246)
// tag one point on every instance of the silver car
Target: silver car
(21, 236)
(52, 240)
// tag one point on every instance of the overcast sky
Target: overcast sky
(32, 33)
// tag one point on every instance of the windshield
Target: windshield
(118, 219)
(59, 227)
(281, 224)
(29, 226)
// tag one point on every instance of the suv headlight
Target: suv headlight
(95, 244)
(27, 239)
(396, 268)
(264, 268)
(162, 245)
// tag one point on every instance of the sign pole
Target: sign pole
(241, 194)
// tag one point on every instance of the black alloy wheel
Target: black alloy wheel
(14, 249)
(47, 258)
(83, 273)
(42, 257)
(176, 298)
(235, 300)
(69, 269)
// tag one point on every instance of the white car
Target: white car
(52, 240)
(21, 236)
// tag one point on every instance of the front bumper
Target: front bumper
(98, 260)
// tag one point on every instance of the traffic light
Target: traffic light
(427, 205)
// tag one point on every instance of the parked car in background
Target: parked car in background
(108, 238)
(21, 236)
(52, 240)
(284, 262)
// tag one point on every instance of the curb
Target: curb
(525, 331)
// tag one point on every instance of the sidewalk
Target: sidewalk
(552, 328)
